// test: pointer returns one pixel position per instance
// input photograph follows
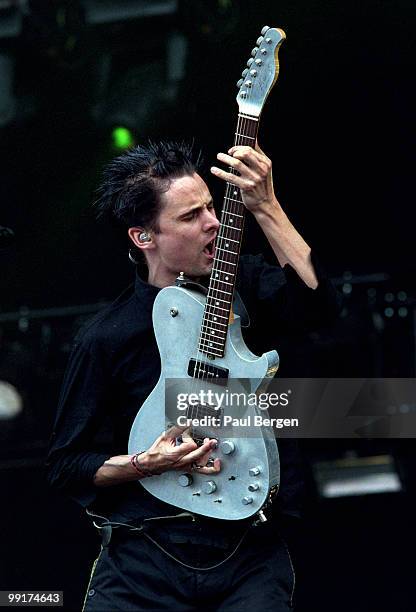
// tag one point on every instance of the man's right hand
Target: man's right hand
(165, 454)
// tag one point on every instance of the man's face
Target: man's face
(188, 226)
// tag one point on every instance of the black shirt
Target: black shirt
(115, 364)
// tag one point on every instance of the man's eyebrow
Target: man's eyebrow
(196, 207)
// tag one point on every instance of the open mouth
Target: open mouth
(209, 249)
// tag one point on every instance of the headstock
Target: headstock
(261, 72)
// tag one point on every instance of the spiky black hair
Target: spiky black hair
(130, 190)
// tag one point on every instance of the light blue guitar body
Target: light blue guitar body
(251, 469)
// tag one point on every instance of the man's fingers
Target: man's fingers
(232, 178)
(244, 162)
(247, 153)
(214, 469)
(197, 455)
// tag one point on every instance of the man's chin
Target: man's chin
(200, 272)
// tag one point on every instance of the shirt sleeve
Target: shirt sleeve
(71, 462)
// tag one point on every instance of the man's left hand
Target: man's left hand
(254, 176)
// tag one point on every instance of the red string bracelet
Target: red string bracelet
(139, 469)
(133, 463)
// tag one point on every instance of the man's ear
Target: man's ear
(141, 238)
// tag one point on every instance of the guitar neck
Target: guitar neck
(227, 252)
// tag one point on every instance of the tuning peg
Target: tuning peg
(264, 30)
(254, 51)
(239, 83)
(259, 41)
(250, 61)
(243, 74)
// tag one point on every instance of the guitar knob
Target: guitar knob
(253, 487)
(243, 74)
(185, 480)
(250, 61)
(240, 82)
(227, 447)
(264, 30)
(254, 471)
(254, 51)
(209, 487)
(259, 41)
(247, 500)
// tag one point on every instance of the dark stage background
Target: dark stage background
(339, 128)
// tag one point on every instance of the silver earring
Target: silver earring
(144, 237)
(132, 257)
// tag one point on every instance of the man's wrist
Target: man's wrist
(140, 461)
(270, 210)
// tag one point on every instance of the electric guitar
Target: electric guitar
(202, 350)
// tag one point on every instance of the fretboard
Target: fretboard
(227, 252)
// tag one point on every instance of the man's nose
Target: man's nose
(211, 222)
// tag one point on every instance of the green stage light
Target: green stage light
(122, 137)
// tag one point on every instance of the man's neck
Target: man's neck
(167, 280)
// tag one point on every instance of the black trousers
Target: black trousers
(133, 574)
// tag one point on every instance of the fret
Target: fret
(217, 299)
(221, 308)
(218, 280)
(217, 315)
(244, 136)
(226, 250)
(212, 336)
(230, 263)
(231, 227)
(247, 117)
(232, 213)
(234, 200)
(230, 239)
(211, 344)
(215, 322)
(212, 332)
(221, 290)
(223, 272)
(209, 349)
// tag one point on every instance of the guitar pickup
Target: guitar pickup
(206, 371)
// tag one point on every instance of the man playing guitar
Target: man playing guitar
(186, 562)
